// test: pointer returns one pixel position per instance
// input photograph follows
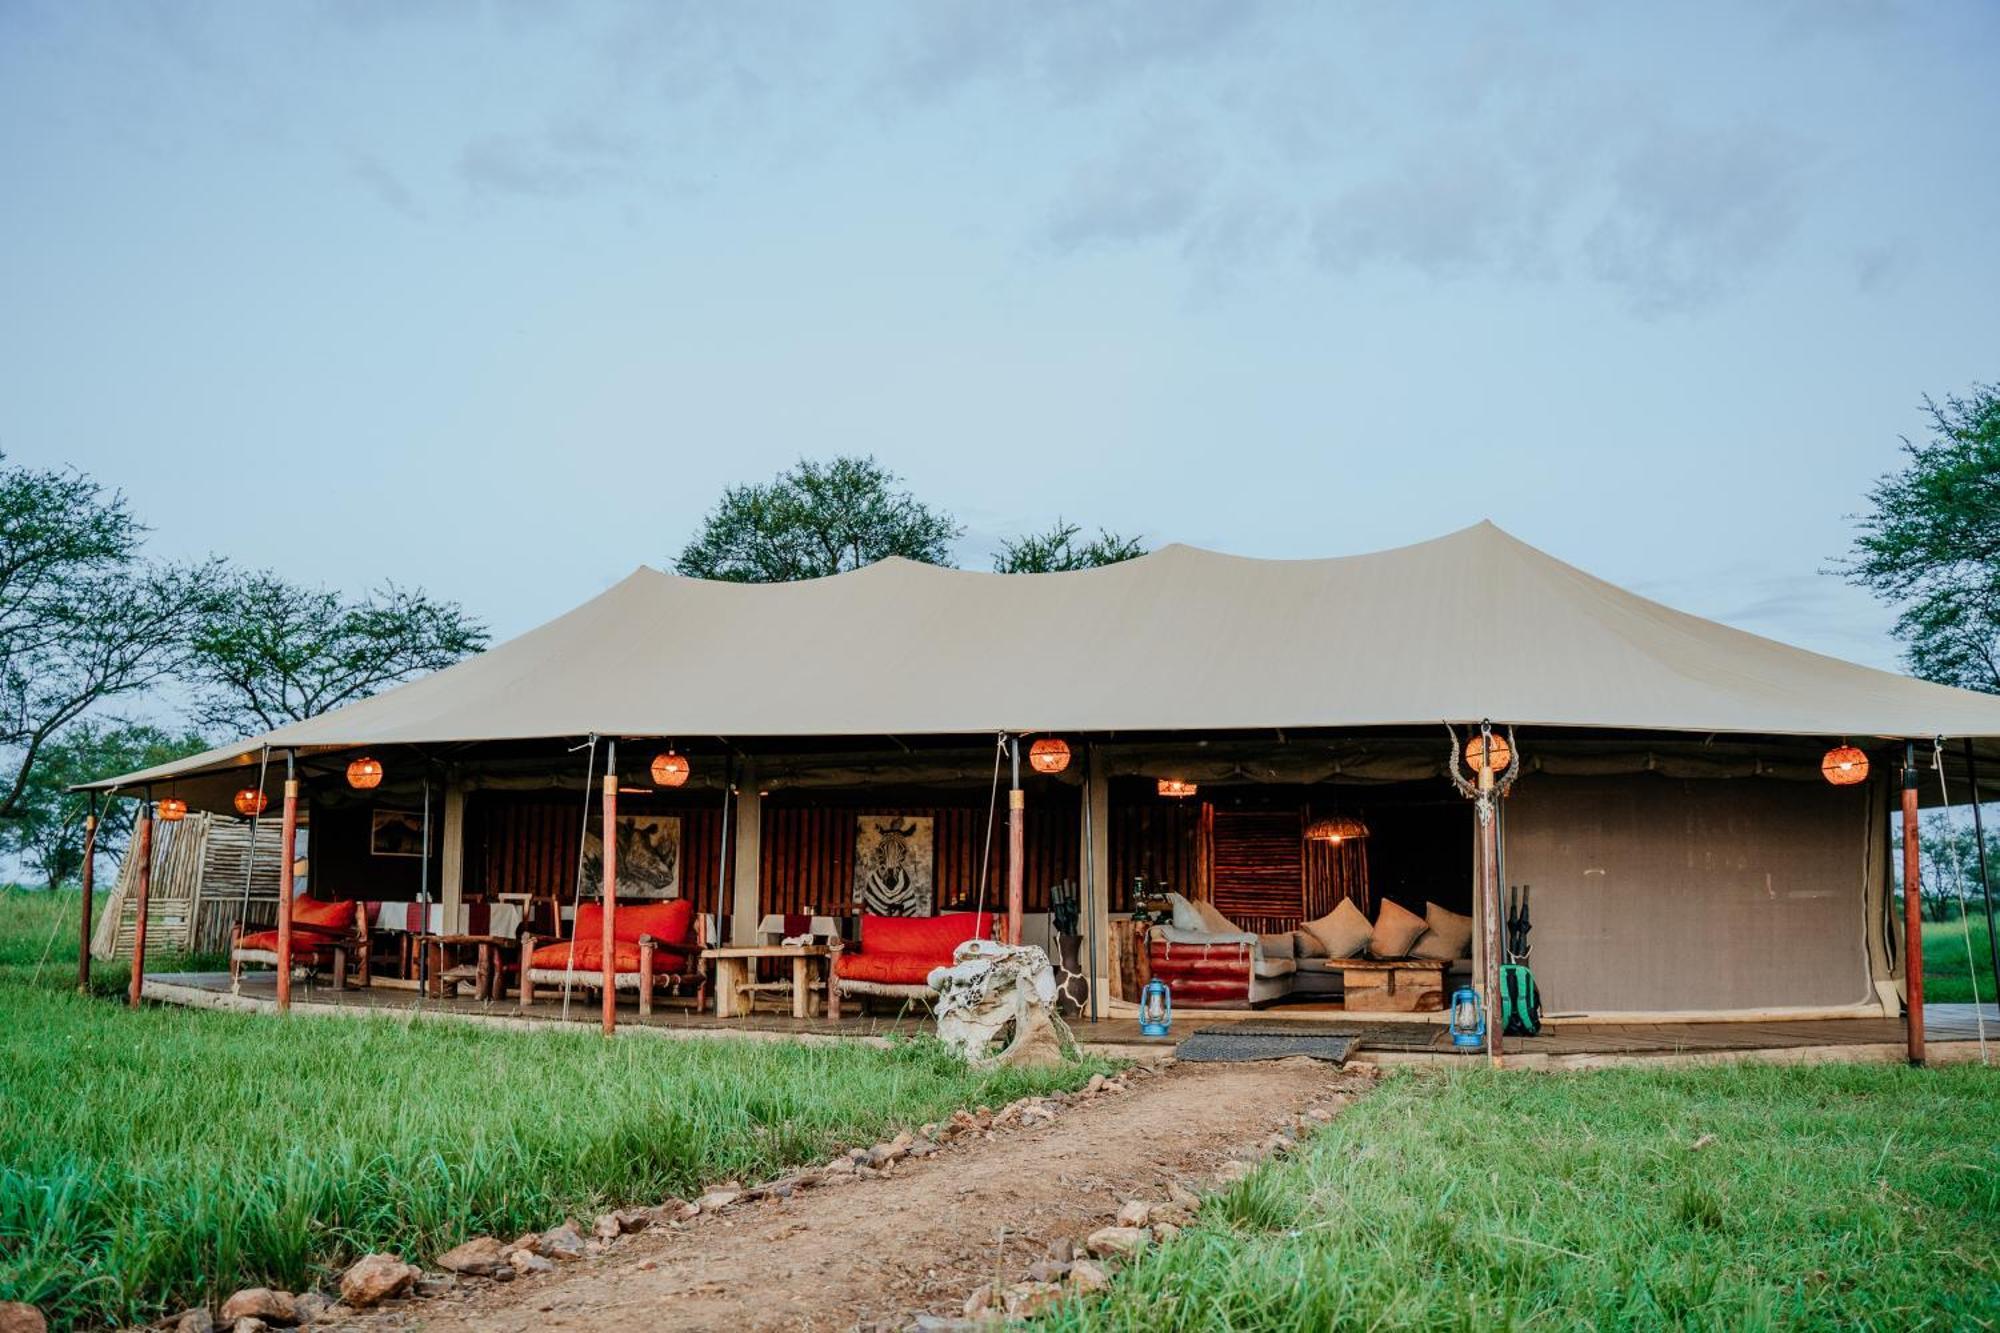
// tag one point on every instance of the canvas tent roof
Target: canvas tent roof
(1474, 624)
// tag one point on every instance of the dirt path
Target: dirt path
(921, 1236)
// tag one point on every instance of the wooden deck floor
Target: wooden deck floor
(1952, 1029)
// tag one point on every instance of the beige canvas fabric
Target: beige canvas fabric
(1662, 895)
(1471, 625)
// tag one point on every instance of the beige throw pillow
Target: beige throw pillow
(1448, 939)
(1343, 932)
(1214, 922)
(1396, 929)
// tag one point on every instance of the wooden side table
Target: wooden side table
(735, 976)
(487, 972)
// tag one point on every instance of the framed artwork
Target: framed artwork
(649, 857)
(892, 864)
(396, 833)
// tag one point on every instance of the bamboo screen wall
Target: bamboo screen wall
(808, 853)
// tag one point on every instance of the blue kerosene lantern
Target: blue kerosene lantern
(1468, 1019)
(1156, 1009)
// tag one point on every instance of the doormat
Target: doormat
(1276, 1041)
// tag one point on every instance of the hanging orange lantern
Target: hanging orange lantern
(1049, 755)
(669, 770)
(1177, 788)
(171, 810)
(1336, 828)
(251, 802)
(1844, 765)
(1480, 758)
(364, 773)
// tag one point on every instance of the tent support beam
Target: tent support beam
(88, 874)
(609, 841)
(1985, 879)
(1017, 808)
(1489, 907)
(1913, 909)
(288, 844)
(142, 838)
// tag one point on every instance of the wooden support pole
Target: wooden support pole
(1913, 910)
(89, 876)
(288, 840)
(142, 840)
(1017, 814)
(1489, 906)
(609, 842)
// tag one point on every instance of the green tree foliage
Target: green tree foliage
(47, 833)
(813, 520)
(1059, 549)
(271, 652)
(84, 619)
(1930, 544)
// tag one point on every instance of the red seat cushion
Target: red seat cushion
(335, 918)
(590, 957)
(888, 969)
(670, 922)
(305, 940)
(924, 936)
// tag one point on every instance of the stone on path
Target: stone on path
(374, 1278)
(272, 1307)
(482, 1256)
(20, 1317)
(1109, 1242)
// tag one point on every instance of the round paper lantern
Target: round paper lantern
(1844, 765)
(1336, 828)
(1049, 755)
(1478, 757)
(364, 773)
(251, 802)
(1176, 787)
(171, 810)
(669, 770)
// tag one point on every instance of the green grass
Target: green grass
(1947, 975)
(152, 1159)
(1836, 1196)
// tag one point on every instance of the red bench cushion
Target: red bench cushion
(670, 922)
(305, 940)
(590, 957)
(923, 936)
(335, 918)
(888, 969)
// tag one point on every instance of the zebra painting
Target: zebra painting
(892, 865)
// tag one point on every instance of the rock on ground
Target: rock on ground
(375, 1278)
(19, 1317)
(273, 1307)
(482, 1256)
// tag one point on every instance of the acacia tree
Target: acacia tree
(47, 833)
(1930, 544)
(83, 618)
(271, 652)
(1058, 550)
(816, 519)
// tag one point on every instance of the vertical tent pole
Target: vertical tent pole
(1017, 806)
(142, 838)
(1913, 918)
(288, 838)
(1088, 906)
(1985, 880)
(89, 876)
(610, 843)
(1489, 902)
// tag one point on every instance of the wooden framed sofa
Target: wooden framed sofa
(892, 957)
(655, 945)
(326, 937)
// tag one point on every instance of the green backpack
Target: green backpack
(1520, 1001)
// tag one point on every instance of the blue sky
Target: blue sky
(496, 298)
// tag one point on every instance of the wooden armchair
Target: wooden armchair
(655, 943)
(325, 937)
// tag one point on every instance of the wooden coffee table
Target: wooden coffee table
(487, 972)
(736, 983)
(1394, 986)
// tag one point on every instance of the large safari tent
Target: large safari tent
(1686, 855)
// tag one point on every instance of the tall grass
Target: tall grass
(153, 1159)
(1837, 1196)
(1948, 977)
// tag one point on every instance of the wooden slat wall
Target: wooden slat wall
(529, 845)
(1158, 839)
(808, 854)
(1259, 874)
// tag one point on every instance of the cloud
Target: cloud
(565, 159)
(1151, 186)
(385, 185)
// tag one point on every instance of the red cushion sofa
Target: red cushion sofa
(895, 955)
